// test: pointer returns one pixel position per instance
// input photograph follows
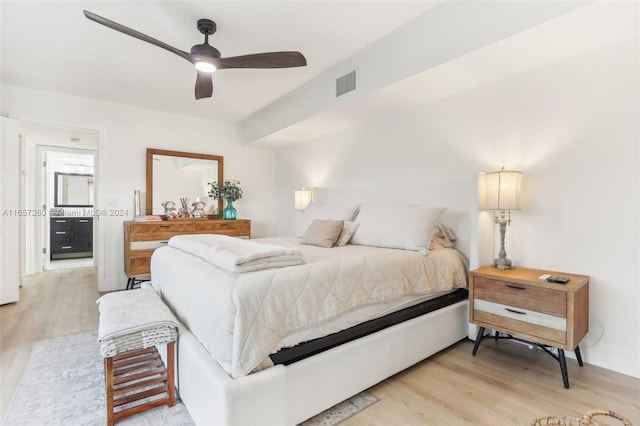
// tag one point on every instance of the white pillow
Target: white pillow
(407, 227)
(325, 212)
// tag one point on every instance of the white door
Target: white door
(9, 211)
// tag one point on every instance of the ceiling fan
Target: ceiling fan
(207, 58)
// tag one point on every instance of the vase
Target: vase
(229, 212)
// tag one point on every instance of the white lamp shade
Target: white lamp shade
(501, 191)
(302, 198)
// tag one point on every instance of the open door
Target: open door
(9, 211)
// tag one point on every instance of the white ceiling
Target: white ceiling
(50, 45)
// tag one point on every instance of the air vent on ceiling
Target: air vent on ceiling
(346, 83)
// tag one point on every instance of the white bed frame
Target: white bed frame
(288, 395)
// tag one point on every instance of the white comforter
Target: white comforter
(241, 318)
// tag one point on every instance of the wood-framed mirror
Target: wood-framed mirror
(172, 175)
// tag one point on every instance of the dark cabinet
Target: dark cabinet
(71, 237)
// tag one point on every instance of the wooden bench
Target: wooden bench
(136, 379)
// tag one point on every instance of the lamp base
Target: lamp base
(503, 263)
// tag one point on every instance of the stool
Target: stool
(134, 376)
(132, 325)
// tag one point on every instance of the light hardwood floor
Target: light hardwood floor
(52, 304)
(505, 384)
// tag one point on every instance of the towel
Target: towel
(127, 312)
(235, 254)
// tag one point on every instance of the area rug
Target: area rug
(63, 384)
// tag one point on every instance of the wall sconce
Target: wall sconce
(501, 192)
(302, 198)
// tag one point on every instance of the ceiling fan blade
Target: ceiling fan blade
(204, 85)
(133, 33)
(264, 60)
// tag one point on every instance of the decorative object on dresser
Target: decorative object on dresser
(500, 191)
(541, 313)
(71, 237)
(136, 204)
(173, 175)
(142, 238)
(230, 190)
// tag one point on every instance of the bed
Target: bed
(280, 344)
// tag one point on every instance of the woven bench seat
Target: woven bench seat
(132, 325)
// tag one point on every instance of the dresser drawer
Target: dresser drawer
(139, 266)
(160, 231)
(542, 300)
(231, 227)
(60, 235)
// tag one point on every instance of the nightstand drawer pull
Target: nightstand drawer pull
(515, 312)
(516, 287)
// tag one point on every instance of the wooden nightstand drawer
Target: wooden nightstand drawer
(521, 321)
(524, 296)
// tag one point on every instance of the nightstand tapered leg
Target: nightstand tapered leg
(578, 355)
(478, 339)
(563, 368)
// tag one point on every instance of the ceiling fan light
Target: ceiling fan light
(205, 66)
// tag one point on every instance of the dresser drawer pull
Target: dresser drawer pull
(60, 232)
(515, 312)
(83, 221)
(61, 221)
(515, 287)
(66, 247)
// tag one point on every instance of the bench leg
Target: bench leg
(108, 383)
(171, 389)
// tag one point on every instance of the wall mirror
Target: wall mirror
(172, 175)
(73, 190)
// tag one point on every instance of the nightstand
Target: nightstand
(544, 314)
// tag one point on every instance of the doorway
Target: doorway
(59, 182)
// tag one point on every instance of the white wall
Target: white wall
(571, 127)
(125, 133)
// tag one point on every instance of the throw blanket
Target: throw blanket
(235, 254)
(131, 320)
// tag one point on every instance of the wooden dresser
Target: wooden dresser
(142, 238)
(517, 303)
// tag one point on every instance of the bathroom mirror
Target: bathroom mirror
(173, 175)
(73, 190)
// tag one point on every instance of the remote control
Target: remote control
(558, 280)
